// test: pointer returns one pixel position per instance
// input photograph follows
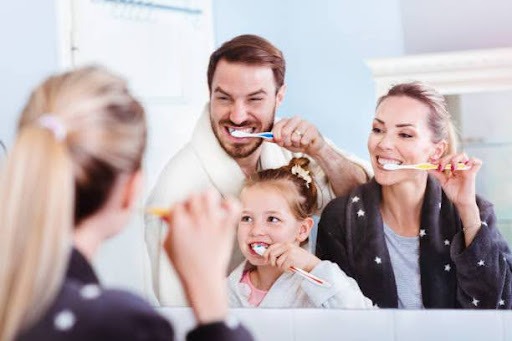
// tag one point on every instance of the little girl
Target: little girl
(278, 205)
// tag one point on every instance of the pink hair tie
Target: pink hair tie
(53, 124)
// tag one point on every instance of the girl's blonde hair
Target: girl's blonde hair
(50, 184)
(439, 119)
(300, 194)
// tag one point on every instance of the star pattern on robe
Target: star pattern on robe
(475, 302)
(439, 205)
(378, 260)
(64, 320)
(501, 302)
(447, 267)
(446, 242)
(355, 199)
(90, 291)
(481, 262)
(360, 213)
(484, 223)
(423, 233)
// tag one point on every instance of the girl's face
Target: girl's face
(267, 219)
(400, 135)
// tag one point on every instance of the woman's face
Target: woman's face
(266, 219)
(400, 135)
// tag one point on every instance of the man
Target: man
(246, 82)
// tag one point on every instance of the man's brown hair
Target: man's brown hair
(249, 49)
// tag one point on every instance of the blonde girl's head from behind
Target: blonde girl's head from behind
(78, 132)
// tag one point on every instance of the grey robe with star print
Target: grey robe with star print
(478, 276)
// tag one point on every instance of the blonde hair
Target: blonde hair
(300, 195)
(439, 119)
(48, 185)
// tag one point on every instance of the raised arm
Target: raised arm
(479, 252)
(300, 136)
(199, 244)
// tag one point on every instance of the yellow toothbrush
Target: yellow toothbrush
(424, 166)
(163, 213)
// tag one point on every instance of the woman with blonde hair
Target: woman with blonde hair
(413, 239)
(70, 182)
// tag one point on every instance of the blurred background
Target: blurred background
(162, 48)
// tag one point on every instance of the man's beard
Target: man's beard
(242, 150)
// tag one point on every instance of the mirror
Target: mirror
(325, 45)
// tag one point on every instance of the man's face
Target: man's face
(243, 97)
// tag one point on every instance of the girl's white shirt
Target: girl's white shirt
(293, 291)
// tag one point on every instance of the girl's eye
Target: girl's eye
(246, 219)
(272, 219)
(405, 135)
(376, 130)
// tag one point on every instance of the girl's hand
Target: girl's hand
(459, 185)
(285, 255)
(199, 244)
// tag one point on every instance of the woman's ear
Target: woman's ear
(305, 228)
(438, 151)
(132, 190)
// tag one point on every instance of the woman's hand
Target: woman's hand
(285, 255)
(199, 244)
(459, 185)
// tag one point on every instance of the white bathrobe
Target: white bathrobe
(293, 291)
(202, 164)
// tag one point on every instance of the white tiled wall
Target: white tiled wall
(382, 325)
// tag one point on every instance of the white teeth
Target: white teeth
(384, 161)
(245, 130)
(259, 248)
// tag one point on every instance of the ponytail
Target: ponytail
(60, 172)
(36, 218)
(451, 138)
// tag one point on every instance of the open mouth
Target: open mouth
(245, 130)
(258, 248)
(248, 130)
(386, 161)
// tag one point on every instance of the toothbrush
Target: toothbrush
(423, 166)
(163, 213)
(266, 135)
(260, 250)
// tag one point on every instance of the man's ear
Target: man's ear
(280, 95)
(305, 228)
(132, 190)
(438, 151)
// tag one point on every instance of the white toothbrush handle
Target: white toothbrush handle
(310, 277)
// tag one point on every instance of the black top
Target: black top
(83, 310)
(350, 233)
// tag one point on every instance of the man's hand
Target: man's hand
(298, 136)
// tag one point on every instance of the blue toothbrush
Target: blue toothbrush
(266, 135)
